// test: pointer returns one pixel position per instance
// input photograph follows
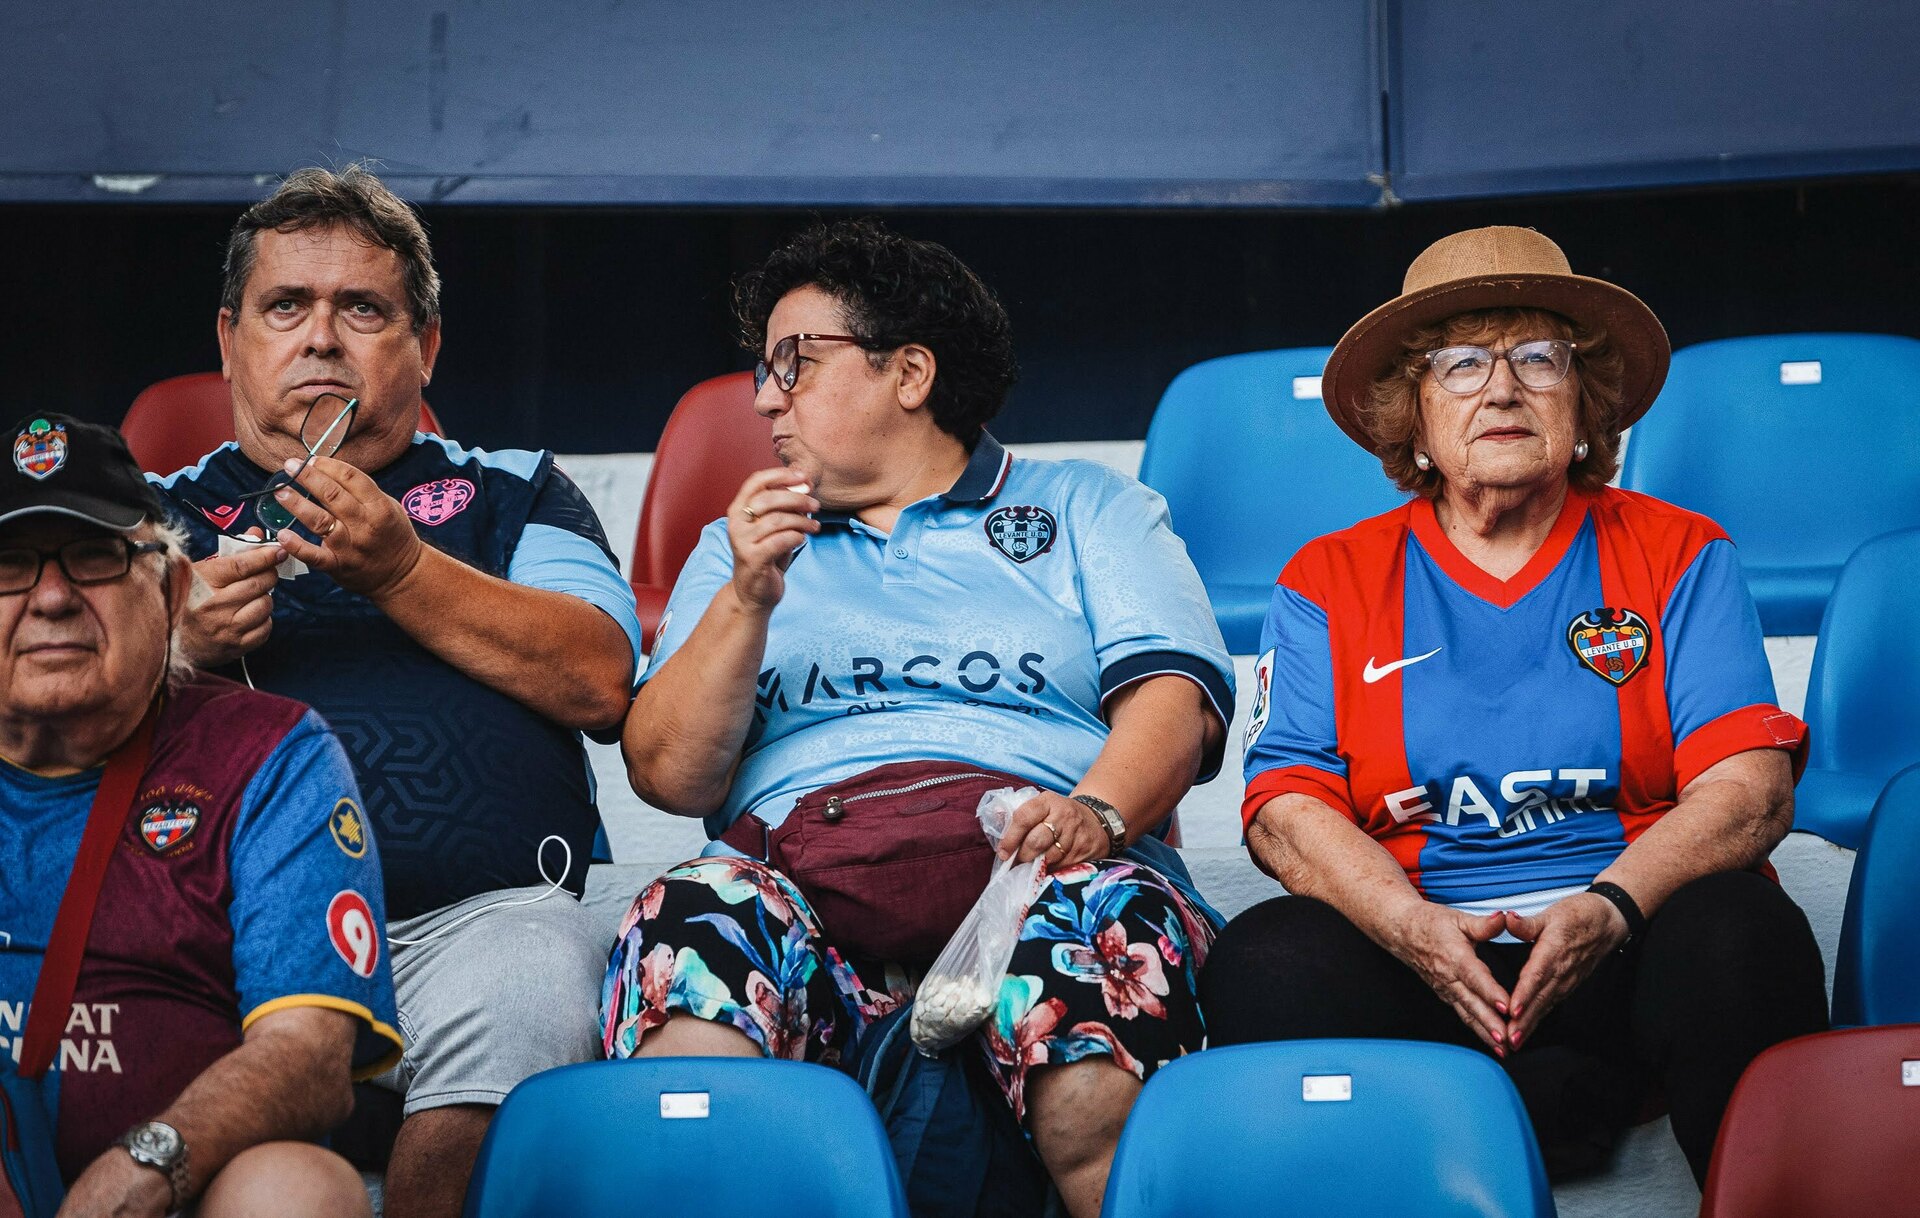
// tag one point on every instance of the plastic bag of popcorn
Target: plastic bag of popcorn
(959, 991)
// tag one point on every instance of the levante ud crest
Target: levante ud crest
(41, 449)
(1610, 642)
(164, 826)
(1023, 532)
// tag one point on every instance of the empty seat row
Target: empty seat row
(1822, 1125)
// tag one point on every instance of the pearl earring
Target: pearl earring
(1580, 451)
(1423, 461)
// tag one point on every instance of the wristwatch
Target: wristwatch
(159, 1145)
(1110, 820)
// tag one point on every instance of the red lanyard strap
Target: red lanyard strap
(60, 970)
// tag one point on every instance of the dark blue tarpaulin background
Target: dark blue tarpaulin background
(952, 103)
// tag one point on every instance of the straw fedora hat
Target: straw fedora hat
(1494, 268)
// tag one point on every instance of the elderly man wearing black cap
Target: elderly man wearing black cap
(191, 968)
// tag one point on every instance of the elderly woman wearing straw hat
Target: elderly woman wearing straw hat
(1515, 753)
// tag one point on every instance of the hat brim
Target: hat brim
(1373, 344)
(115, 516)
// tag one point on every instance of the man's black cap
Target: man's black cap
(57, 464)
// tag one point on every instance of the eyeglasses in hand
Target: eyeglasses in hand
(324, 442)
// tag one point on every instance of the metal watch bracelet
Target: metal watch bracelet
(1109, 818)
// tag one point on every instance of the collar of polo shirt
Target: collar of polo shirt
(985, 474)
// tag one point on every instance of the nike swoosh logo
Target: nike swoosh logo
(1373, 674)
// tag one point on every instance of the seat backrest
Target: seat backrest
(1875, 976)
(1801, 446)
(175, 422)
(1822, 1125)
(1863, 695)
(1252, 469)
(1334, 1128)
(711, 442)
(684, 1135)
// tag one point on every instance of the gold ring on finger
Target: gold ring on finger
(1048, 826)
(747, 511)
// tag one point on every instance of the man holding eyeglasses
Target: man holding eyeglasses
(191, 968)
(457, 617)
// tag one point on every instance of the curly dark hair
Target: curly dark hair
(895, 290)
(315, 198)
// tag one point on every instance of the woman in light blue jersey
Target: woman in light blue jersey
(898, 618)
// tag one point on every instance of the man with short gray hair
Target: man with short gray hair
(190, 963)
(455, 614)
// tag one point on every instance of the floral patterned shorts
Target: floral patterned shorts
(1106, 964)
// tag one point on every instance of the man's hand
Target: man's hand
(114, 1186)
(1438, 943)
(1569, 939)
(367, 542)
(1049, 820)
(768, 520)
(238, 615)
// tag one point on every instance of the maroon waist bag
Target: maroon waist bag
(891, 859)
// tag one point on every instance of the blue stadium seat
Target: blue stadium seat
(1330, 1128)
(1863, 697)
(1875, 977)
(1801, 446)
(1252, 469)
(687, 1135)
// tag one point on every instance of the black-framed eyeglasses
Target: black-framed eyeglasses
(783, 365)
(1539, 364)
(84, 561)
(321, 436)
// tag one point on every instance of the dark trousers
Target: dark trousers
(1727, 967)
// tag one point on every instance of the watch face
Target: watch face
(155, 1141)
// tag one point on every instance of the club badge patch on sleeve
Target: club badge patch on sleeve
(349, 829)
(1612, 643)
(1262, 700)
(351, 930)
(1022, 532)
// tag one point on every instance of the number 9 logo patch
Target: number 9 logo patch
(350, 927)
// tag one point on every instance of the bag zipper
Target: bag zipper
(836, 804)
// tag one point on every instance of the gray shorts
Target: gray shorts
(502, 996)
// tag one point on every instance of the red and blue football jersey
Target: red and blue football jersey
(1510, 737)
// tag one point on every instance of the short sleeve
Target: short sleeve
(1292, 741)
(1720, 696)
(1146, 605)
(309, 910)
(562, 549)
(707, 569)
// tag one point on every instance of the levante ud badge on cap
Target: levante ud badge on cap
(41, 449)
(1021, 533)
(1613, 643)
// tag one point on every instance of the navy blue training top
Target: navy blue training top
(461, 782)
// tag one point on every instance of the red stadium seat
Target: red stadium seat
(1823, 1126)
(712, 441)
(175, 422)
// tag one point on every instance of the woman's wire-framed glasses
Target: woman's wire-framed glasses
(783, 363)
(1540, 364)
(324, 442)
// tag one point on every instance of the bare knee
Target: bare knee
(1076, 1111)
(289, 1180)
(685, 1035)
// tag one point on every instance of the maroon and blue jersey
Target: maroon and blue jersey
(462, 781)
(244, 882)
(1507, 738)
